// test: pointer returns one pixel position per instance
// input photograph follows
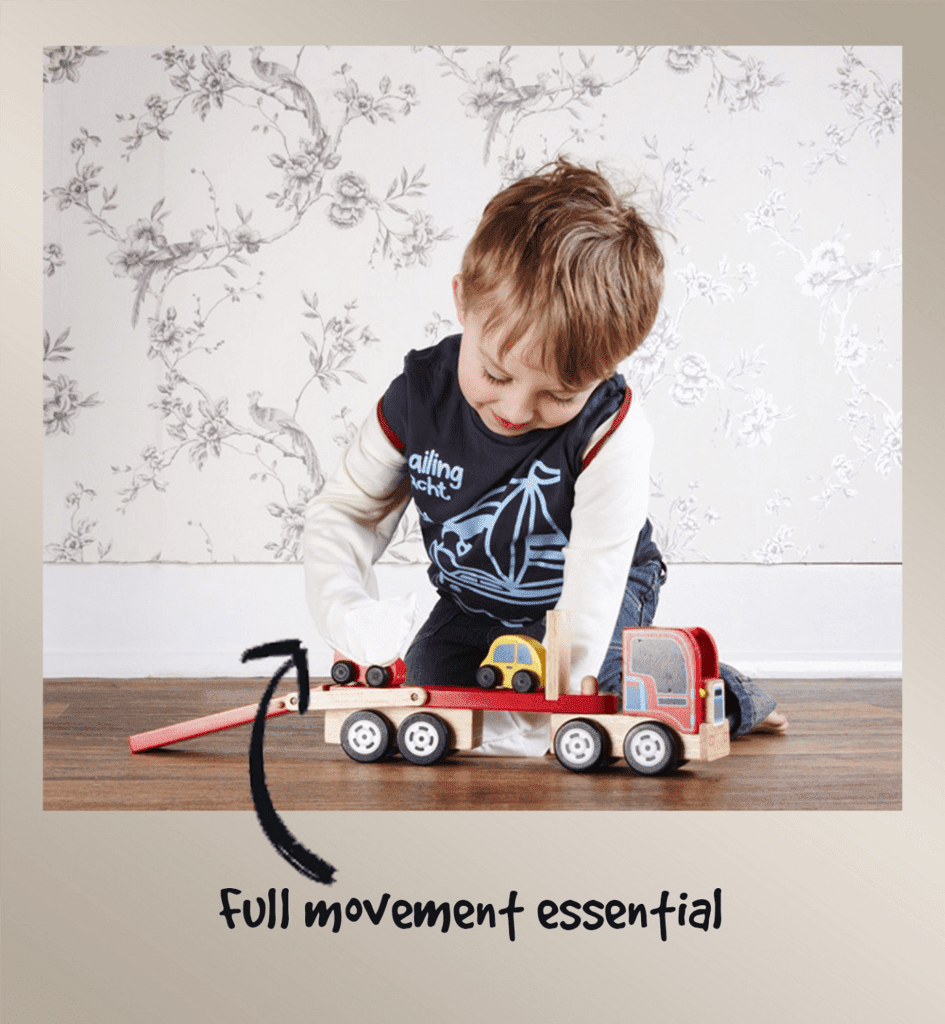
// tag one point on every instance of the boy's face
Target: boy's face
(512, 394)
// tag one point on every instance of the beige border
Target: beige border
(111, 916)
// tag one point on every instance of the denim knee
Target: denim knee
(746, 704)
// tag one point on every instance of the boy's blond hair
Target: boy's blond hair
(561, 253)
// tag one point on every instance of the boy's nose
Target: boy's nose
(513, 420)
(516, 410)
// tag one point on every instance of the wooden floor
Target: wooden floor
(843, 752)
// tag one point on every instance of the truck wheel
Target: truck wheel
(488, 677)
(377, 676)
(344, 671)
(650, 748)
(524, 681)
(366, 736)
(422, 738)
(579, 745)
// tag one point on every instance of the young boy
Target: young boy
(525, 454)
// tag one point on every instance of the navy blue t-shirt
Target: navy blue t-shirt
(495, 511)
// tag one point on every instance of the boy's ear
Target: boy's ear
(458, 298)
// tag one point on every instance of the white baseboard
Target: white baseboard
(135, 621)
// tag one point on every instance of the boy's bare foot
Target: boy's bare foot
(775, 722)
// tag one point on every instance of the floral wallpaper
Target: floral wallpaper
(242, 243)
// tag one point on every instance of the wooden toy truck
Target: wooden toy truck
(673, 708)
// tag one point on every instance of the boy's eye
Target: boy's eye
(493, 380)
(498, 381)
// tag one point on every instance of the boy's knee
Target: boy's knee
(433, 663)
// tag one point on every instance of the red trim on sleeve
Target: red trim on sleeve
(388, 429)
(618, 419)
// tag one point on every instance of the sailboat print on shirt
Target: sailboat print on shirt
(511, 529)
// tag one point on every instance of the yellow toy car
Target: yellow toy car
(514, 662)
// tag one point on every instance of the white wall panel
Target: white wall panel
(179, 620)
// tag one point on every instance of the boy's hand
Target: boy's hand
(373, 632)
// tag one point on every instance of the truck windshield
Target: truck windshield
(661, 658)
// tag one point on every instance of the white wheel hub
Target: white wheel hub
(420, 738)
(577, 746)
(365, 737)
(648, 746)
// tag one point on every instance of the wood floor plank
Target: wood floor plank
(843, 751)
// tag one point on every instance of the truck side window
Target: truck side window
(524, 655)
(661, 658)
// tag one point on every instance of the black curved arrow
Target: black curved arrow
(287, 846)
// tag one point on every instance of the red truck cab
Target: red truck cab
(670, 675)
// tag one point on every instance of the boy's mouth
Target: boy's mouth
(507, 425)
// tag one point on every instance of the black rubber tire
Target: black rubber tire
(650, 749)
(378, 676)
(580, 745)
(524, 681)
(344, 672)
(423, 738)
(488, 677)
(367, 736)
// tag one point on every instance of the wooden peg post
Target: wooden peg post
(557, 653)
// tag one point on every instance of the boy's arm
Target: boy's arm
(347, 527)
(610, 507)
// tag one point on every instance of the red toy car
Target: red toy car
(345, 671)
